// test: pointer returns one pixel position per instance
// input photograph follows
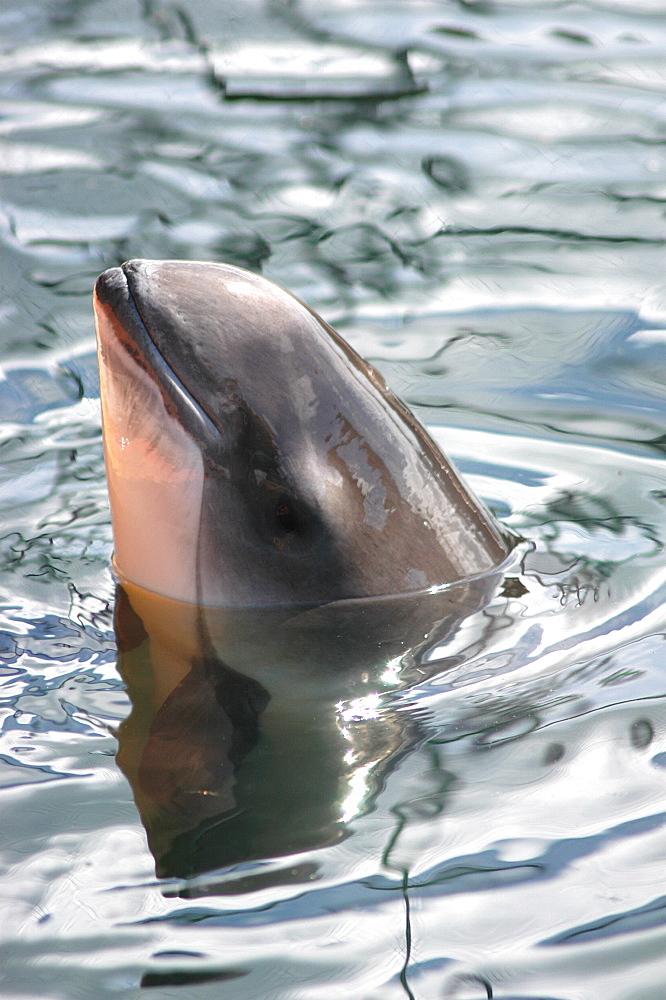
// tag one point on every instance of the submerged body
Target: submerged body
(254, 458)
(264, 732)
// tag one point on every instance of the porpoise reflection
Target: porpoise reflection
(289, 540)
(254, 458)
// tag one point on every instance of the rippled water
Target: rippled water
(473, 193)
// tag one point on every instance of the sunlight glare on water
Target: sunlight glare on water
(473, 194)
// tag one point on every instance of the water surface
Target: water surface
(473, 194)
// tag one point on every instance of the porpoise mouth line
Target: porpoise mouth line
(167, 379)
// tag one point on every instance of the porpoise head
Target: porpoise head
(254, 458)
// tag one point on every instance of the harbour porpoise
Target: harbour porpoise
(291, 547)
(253, 458)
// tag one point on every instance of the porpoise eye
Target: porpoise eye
(286, 517)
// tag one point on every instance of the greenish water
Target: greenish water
(473, 193)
